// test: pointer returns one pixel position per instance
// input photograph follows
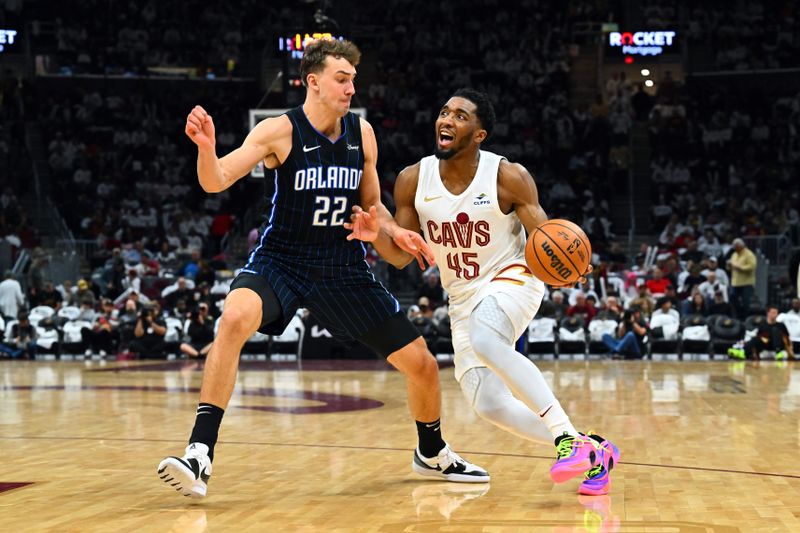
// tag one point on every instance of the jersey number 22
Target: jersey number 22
(323, 215)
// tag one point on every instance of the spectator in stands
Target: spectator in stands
(696, 305)
(692, 280)
(149, 333)
(166, 258)
(180, 311)
(711, 285)
(84, 293)
(36, 272)
(192, 266)
(425, 309)
(11, 297)
(644, 301)
(200, 333)
(612, 309)
(104, 334)
(432, 290)
(771, 335)
(664, 307)
(127, 321)
(709, 244)
(23, 340)
(582, 308)
(743, 277)
(50, 296)
(692, 253)
(631, 333)
(720, 305)
(182, 292)
(616, 257)
(713, 266)
(553, 307)
(205, 274)
(795, 309)
(657, 285)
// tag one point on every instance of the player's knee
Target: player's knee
(416, 362)
(237, 323)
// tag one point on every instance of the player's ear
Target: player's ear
(312, 81)
(480, 136)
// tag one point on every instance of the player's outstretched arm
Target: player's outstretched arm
(516, 183)
(397, 243)
(215, 174)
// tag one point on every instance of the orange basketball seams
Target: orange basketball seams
(558, 252)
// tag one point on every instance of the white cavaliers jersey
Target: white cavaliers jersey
(470, 236)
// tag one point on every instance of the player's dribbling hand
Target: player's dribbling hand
(581, 280)
(200, 128)
(363, 226)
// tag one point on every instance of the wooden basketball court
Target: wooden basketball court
(706, 446)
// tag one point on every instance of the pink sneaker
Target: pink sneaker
(597, 480)
(574, 456)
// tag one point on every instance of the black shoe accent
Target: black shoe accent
(456, 468)
(192, 465)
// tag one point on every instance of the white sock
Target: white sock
(492, 338)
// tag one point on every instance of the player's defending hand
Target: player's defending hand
(581, 280)
(200, 128)
(365, 226)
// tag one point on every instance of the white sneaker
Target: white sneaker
(188, 474)
(103, 353)
(87, 352)
(450, 466)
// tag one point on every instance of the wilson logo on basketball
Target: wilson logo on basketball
(555, 263)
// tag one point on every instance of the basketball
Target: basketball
(558, 252)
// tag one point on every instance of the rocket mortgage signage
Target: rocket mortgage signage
(643, 43)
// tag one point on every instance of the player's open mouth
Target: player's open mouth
(445, 139)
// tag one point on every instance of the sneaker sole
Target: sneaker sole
(455, 478)
(176, 476)
(588, 491)
(565, 473)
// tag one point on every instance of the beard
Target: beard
(443, 155)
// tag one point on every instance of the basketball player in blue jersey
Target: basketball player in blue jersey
(323, 159)
(474, 208)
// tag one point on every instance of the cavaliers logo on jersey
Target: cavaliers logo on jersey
(460, 233)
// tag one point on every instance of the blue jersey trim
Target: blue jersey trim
(344, 128)
(269, 223)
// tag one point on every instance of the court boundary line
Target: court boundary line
(386, 448)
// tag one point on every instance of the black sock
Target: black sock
(206, 426)
(430, 438)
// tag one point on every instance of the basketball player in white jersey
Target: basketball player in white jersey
(474, 209)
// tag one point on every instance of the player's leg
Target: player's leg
(492, 335)
(493, 401)
(433, 457)
(357, 306)
(250, 302)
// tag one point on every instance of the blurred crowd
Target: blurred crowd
(123, 176)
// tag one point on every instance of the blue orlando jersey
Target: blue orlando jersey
(311, 195)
